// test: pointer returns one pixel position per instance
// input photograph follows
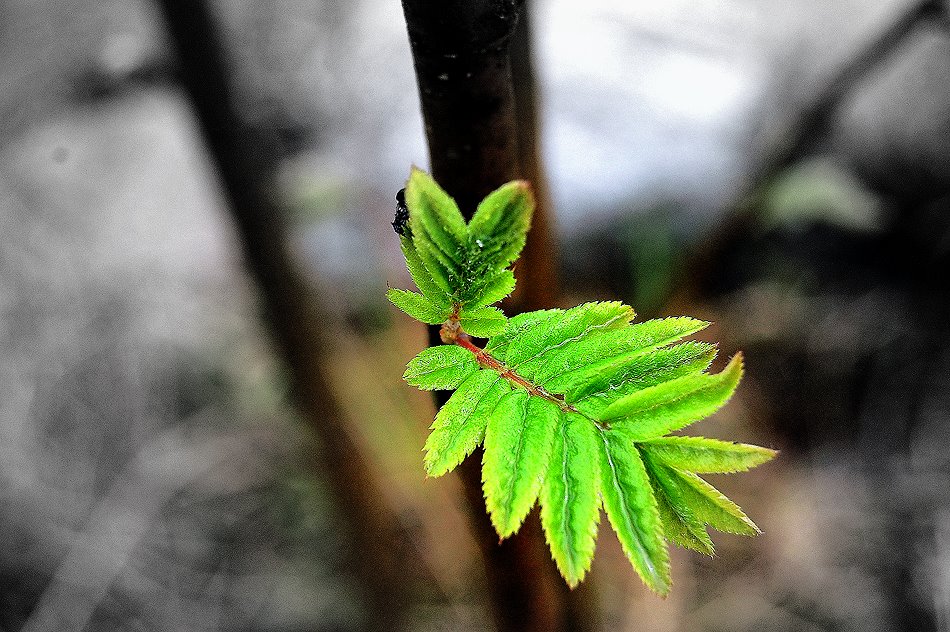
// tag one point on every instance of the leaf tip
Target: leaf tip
(661, 585)
(434, 471)
(699, 325)
(732, 374)
(767, 454)
(572, 582)
(753, 528)
(524, 187)
(666, 586)
(435, 466)
(417, 176)
(736, 365)
(504, 526)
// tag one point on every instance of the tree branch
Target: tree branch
(296, 319)
(806, 129)
(461, 51)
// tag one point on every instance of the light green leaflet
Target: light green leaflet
(574, 407)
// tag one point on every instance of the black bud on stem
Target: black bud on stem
(401, 222)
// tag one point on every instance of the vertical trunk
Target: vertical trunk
(461, 54)
(292, 313)
(461, 50)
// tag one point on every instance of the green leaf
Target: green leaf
(434, 214)
(483, 322)
(442, 270)
(680, 524)
(460, 424)
(570, 501)
(632, 510)
(604, 383)
(572, 405)
(613, 348)
(682, 529)
(518, 326)
(496, 238)
(432, 289)
(439, 239)
(443, 367)
(705, 502)
(518, 445)
(706, 456)
(456, 264)
(652, 412)
(417, 306)
(500, 224)
(531, 347)
(662, 331)
(495, 289)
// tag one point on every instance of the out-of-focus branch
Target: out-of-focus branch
(296, 319)
(461, 51)
(806, 129)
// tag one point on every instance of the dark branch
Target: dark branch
(461, 51)
(461, 55)
(537, 268)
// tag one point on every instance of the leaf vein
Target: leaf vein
(623, 506)
(568, 533)
(584, 333)
(510, 491)
(461, 426)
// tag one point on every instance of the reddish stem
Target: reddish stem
(451, 333)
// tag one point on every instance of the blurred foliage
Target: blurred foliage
(821, 190)
(655, 253)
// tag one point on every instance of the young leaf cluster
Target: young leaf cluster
(461, 268)
(574, 407)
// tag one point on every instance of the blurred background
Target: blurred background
(781, 169)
